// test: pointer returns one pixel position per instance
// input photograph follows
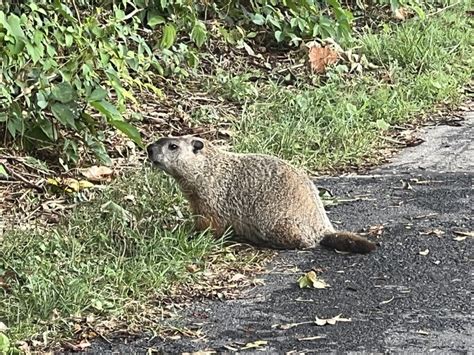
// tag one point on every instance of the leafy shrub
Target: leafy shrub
(70, 71)
(55, 65)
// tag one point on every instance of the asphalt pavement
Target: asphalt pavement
(413, 294)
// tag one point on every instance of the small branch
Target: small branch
(443, 9)
(77, 12)
(23, 179)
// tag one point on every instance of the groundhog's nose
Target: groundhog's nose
(151, 150)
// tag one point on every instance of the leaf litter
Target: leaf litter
(311, 280)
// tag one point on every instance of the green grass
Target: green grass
(101, 261)
(340, 123)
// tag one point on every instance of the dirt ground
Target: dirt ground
(412, 294)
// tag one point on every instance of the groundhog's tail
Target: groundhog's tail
(347, 241)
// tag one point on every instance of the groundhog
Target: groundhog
(264, 200)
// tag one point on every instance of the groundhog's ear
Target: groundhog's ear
(197, 145)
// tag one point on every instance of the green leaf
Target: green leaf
(41, 100)
(3, 175)
(98, 94)
(4, 344)
(129, 130)
(107, 109)
(117, 210)
(15, 125)
(169, 36)
(154, 19)
(48, 129)
(382, 124)
(279, 36)
(419, 11)
(199, 33)
(63, 92)
(100, 152)
(15, 27)
(64, 114)
(258, 19)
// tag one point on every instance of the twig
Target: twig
(392, 140)
(131, 14)
(77, 12)
(24, 180)
(295, 66)
(443, 9)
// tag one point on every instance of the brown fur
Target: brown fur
(262, 198)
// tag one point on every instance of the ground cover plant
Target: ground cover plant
(146, 71)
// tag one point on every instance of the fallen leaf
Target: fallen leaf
(422, 332)
(400, 13)
(424, 252)
(77, 347)
(465, 234)
(387, 301)
(192, 268)
(310, 279)
(98, 173)
(255, 344)
(3, 327)
(289, 325)
(376, 231)
(331, 321)
(237, 277)
(437, 232)
(312, 338)
(459, 239)
(321, 57)
(406, 185)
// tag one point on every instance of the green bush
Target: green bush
(70, 71)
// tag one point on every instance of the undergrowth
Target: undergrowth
(341, 121)
(123, 247)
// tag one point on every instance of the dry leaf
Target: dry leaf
(465, 234)
(387, 301)
(192, 268)
(77, 347)
(406, 185)
(312, 338)
(290, 325)
(321, 57)
(237, 277)
(3, 327)
(424, 252)
(98, 173)
(310, 279)
(459, 239)
(255, 344)
(331, 321)
(376, 231)
(400, 13)
(437, 232)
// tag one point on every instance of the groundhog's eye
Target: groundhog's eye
(172, 146)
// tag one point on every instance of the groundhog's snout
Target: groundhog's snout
(153, 150)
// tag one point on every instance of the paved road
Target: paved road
(397, 299)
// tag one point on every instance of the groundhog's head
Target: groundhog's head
(178, 156)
